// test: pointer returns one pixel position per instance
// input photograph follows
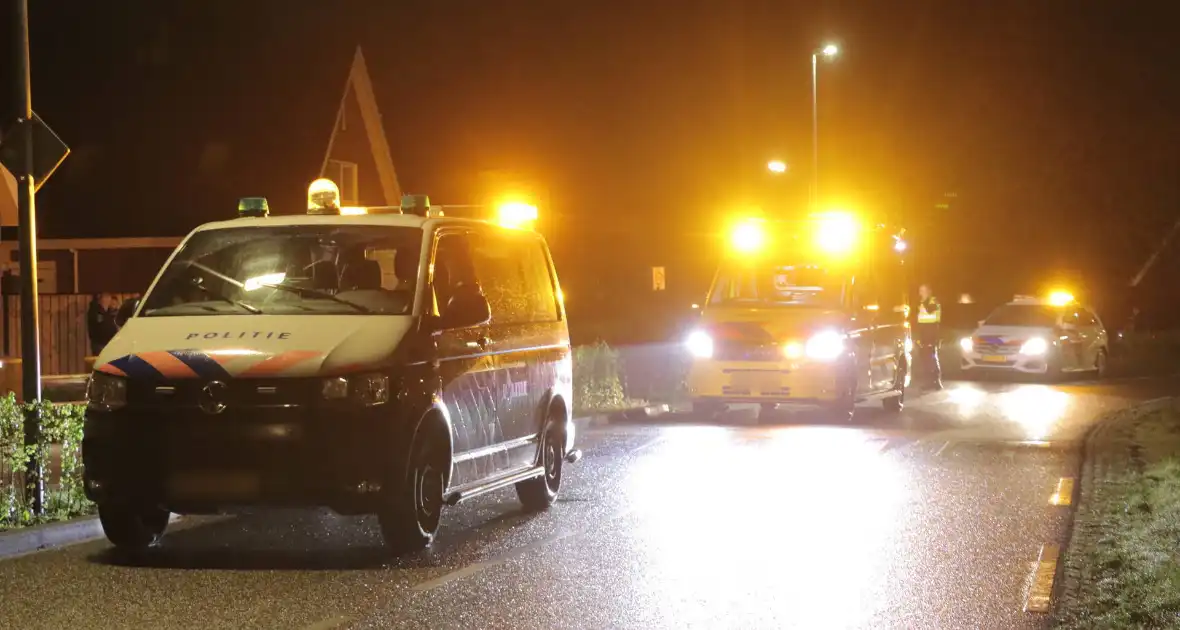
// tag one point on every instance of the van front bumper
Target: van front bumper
(785, 382)
(189, 462)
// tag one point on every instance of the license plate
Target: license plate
(757, 381)
(994, 358)
(215, 484)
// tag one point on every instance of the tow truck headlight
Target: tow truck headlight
(106, 392)
(967, 344)
(1035, 347)
(700, 344)
(825, 346)
(365, 389)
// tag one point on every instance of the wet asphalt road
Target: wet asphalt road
(928, 520)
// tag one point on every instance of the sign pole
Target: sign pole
(27, 217)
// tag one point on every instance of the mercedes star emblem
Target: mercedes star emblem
(213, 397)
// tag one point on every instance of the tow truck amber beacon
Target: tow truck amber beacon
(379, 360)
(812, 312)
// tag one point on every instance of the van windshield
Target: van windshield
(1023, 315)
(292, 270)
(777, 285)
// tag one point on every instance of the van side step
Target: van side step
(493, 485)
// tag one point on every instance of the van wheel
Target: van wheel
(411, 511)
(132, 528)
(539, 493)
(1100, 365)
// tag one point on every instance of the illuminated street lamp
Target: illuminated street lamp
(827, 52)
(776, 166)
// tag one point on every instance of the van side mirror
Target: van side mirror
(126, 310)
(468, 307)
(982, 322)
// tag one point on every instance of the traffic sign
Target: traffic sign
(658, 279)
(48, 151)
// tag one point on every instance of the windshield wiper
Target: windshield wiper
(253, 310)
(316, 293)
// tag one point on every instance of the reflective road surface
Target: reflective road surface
(933, 519)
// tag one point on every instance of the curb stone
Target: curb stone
(27, 540)
(1120, 422)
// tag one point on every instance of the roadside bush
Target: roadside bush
(61, 430)
(596, 379)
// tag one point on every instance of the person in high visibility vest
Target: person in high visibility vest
(929, 318)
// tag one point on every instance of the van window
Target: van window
(514, 273)
(453, 268)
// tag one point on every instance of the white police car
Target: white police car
(1032, 335)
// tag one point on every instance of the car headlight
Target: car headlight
(700, 344)
(1035, 347)
(825, 346)
(365, 389)
(106, 392)
(793, 350)
(967, 344)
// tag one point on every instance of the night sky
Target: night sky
(643, 124)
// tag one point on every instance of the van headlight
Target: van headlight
(1035, 347)
(967, 344)
(700, 344)
(825, 346)
(365, 389)
(106, 392)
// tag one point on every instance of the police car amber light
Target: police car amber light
(253, 207)
(748, 237)
(323, 197)
(1034, 347)
(1060, 298)
(516, 214)
(353, 211)
(825, 346)
(836, 232)
(106, 392)
(700, 344)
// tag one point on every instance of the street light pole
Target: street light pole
(814, 130)
(27, 217)
(827, 51)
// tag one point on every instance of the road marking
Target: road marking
(1040, 593)
(941, 449)
(1064, 494)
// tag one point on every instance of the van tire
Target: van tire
(411, 511)
(1100, 364)
(132, 528)
(538, 493)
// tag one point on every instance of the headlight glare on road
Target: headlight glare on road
(106, 392)
(700, 344)
(1035, 347)
(967, 344)
(825, 346)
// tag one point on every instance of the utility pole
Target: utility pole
(27, 218)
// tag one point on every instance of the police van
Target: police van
(809, 313)
(387, 361)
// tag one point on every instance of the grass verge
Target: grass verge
(1123, 562)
